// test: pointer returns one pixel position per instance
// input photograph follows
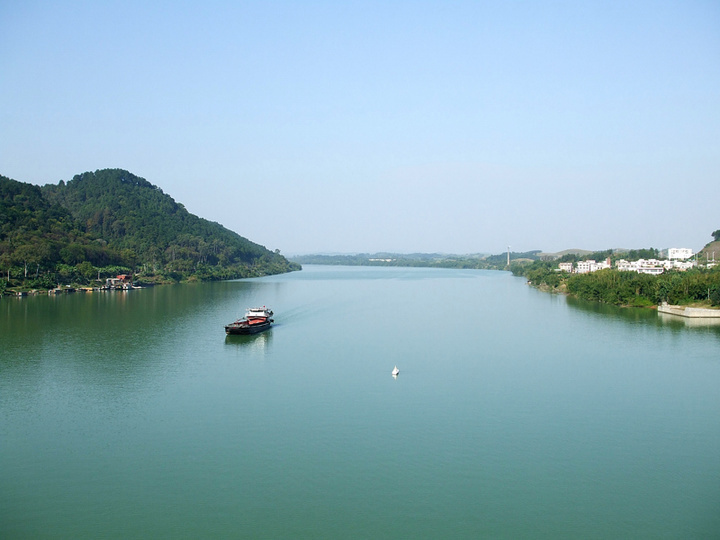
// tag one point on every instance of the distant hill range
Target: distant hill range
(559, 254)
(109, 220)
(438, 260)
(485, 261)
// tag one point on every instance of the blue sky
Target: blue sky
(456, 127)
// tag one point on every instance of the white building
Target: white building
(680, 253)
(683, 265)
(650, 269)
(584, 267)
(601, 265)
(652, 266)
(641, 266)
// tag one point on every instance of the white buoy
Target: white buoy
(395, 372)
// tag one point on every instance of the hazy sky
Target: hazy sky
(454, 127)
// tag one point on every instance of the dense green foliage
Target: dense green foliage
(613, 255)
(37, 236)
(433, 260)
(111, 221)
(627, 288)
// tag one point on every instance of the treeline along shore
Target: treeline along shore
(697, 286)
(110, 222)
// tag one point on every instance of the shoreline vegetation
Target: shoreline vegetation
(696, 287)
(101, 225)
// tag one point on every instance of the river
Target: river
(516, 413)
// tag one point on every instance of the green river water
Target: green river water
(516, 414)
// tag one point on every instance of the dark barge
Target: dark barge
(255, 320)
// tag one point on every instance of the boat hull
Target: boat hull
(243, 328)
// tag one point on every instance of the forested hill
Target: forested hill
(70, 231)
(34, 231)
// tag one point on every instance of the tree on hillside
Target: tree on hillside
(716, 235)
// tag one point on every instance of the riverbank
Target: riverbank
(697, 287)
(689, 312)
(696, 310)
(69, 290)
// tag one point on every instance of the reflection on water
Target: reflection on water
(690, 322)
(607, 311)
(645, 316)
(260, 342)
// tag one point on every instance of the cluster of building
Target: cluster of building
(678, 259)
